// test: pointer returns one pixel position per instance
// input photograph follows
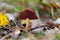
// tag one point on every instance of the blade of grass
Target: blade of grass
(47, 4)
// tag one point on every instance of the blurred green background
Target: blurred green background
(23, 3)
(18, 3)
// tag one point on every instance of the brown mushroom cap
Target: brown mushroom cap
(27, 13)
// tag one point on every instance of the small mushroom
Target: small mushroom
(54, 5)
(27, 14)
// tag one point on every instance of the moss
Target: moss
(58, 36)
(38, 34)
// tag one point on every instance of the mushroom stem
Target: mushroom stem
(27, 24)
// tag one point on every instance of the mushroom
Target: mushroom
(27, 14)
